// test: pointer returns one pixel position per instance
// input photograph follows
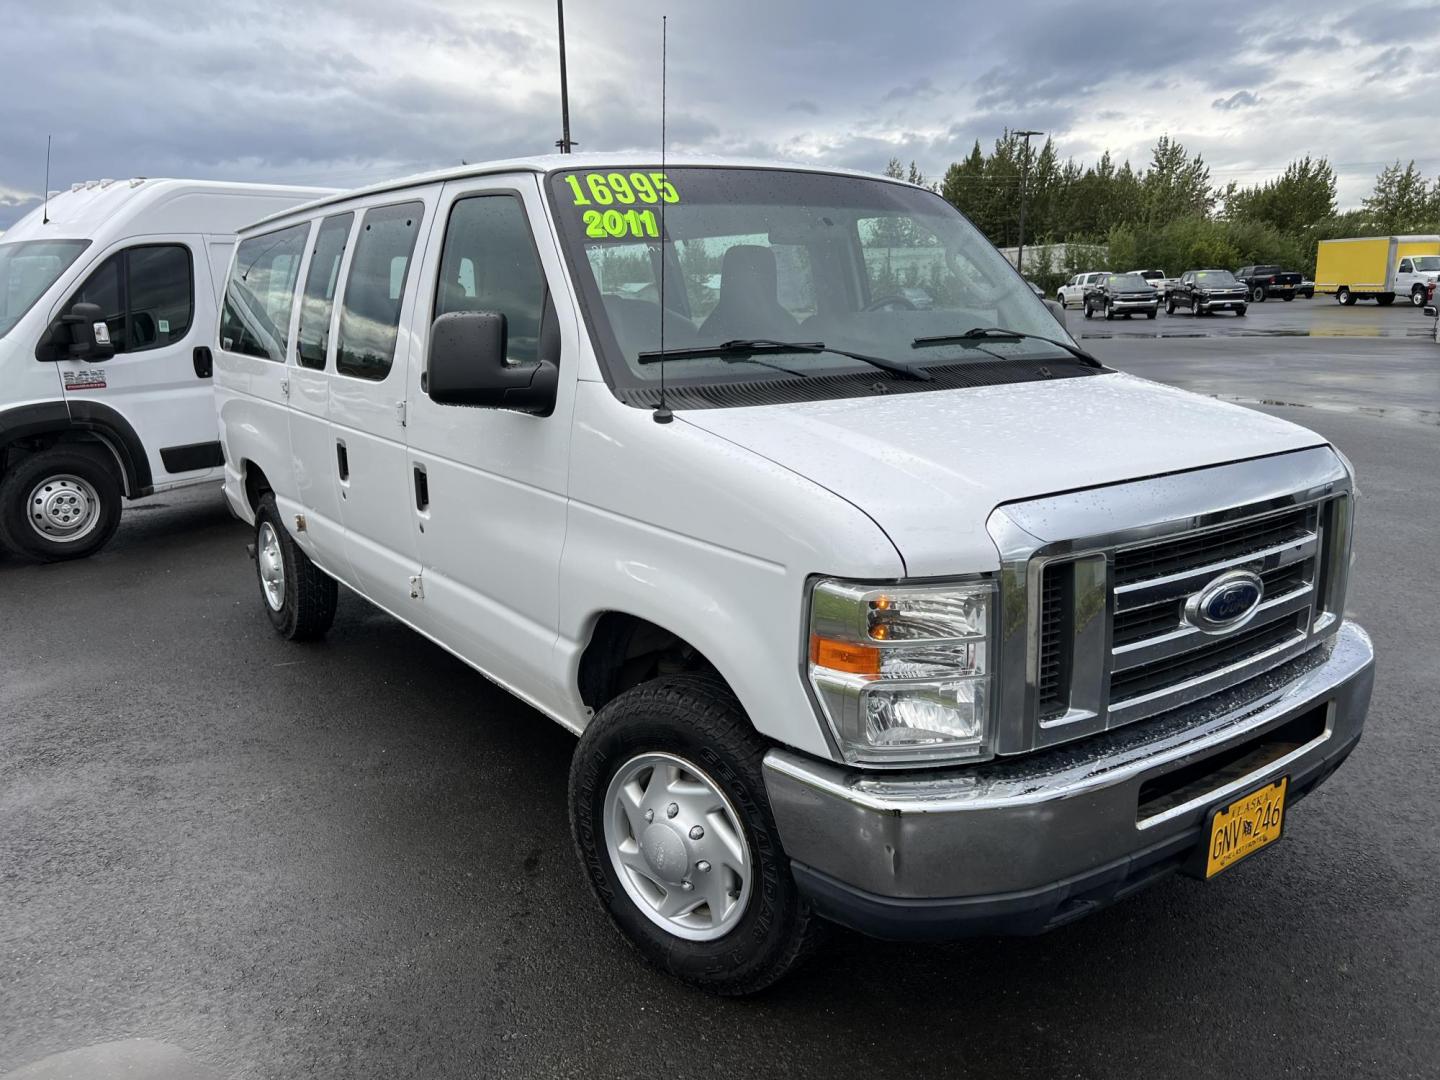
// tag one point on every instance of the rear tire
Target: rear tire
(1344, 297)
(689, 733)
(298, 596)
(61, 503)
(1288, 297)
(1385, 299)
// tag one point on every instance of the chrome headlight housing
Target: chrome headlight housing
(903, 672)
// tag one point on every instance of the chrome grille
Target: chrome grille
(1094, 587)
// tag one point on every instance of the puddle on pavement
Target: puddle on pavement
(1414, 416)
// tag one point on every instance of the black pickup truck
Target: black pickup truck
(1206, 291)
(1267, 281)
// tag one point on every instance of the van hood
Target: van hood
(930, 467)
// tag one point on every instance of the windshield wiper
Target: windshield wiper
(1001, 333)
(740, 349)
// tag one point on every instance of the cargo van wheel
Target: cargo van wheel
(298, 596)
(60, 503)
(1344, 296)
(674, 830)
(1417, 296)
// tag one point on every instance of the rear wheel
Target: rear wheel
(1385, 299)
(298, 596)
(1344, 296)
(61, 503)
(1288, 297)
(674, 830)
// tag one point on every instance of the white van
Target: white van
(126, 269)
(915, 619)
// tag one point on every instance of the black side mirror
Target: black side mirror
(467, 366)
(79, 334)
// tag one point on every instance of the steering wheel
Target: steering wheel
(893, 300)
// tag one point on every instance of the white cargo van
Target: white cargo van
(107, 318)
(916, 619)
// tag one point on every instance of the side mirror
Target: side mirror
(79, 334)
(467, 366)
(1057, 311)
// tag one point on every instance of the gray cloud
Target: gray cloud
(311, 91)
(1241, 99)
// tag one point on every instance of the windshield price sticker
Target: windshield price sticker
(620, 193)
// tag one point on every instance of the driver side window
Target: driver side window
(146, 294)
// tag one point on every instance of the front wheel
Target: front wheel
(1169, 305)
(1417, 296)
(61, 503)
(1109, 313)
(298, 596)
(1088, 312)
(1240, 310)
(674, 830)
(1257, 294)
(1152, 313)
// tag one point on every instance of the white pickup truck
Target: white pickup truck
(913, 618)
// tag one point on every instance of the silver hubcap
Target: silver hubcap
(271, 562)
(64, 508)
(678, 846)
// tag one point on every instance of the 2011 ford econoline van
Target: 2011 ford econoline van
(909, 616)
(128, 270)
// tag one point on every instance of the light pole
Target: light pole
(1024, 175)
(564, 142)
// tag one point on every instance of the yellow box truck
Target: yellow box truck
(1378, 268)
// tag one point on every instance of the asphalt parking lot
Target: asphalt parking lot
(351, 859)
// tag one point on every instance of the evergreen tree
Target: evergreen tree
(1400, 201)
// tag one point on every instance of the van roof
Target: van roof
(141, 206)
(547, 163)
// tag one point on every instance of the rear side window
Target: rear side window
(489, 264)
(312, 340)
(375, 290)
(261, 293)
(146, 295)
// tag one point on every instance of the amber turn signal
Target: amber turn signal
(844, 656)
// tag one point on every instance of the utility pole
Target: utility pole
(564, 143)
(1024, 176)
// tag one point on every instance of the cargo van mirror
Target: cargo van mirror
(467, 365)
(79, 334)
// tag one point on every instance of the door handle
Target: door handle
(342, 460)
(422, 489)
(204, 362)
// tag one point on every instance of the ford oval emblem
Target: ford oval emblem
(1226, 604)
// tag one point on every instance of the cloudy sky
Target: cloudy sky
(339, 94)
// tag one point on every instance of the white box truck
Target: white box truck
(107, 312)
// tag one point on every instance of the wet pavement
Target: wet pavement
(351, 859)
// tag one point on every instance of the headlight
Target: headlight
(902, 672)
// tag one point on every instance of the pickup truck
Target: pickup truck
(1205, 292)
(1121, 294)
(1266, 281)
(920, 621)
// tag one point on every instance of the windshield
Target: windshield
(1153, 275)
(1128, 283)
(1428, 262)
(1215, 277)
(27, 269)
(858, 265)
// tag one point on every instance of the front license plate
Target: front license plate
(1245, 826)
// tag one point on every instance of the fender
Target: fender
(53, 416)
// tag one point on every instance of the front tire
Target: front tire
(1169, 305)
(1240, 310)
(1109, 313)
(1257, 294)
(298, 596)
(1417, 296)
(61, 503)
(1088, 313)
(674, 830)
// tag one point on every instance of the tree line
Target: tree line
(1170, 214)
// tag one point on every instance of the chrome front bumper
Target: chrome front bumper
(1023, 844)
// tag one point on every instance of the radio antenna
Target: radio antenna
(662, 414)
(45, 206)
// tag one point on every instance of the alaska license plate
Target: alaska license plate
(1248, 824)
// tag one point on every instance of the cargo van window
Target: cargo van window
(375, 290)
(261, 293)
(489, 264)
(147, 295)
(312, 340)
